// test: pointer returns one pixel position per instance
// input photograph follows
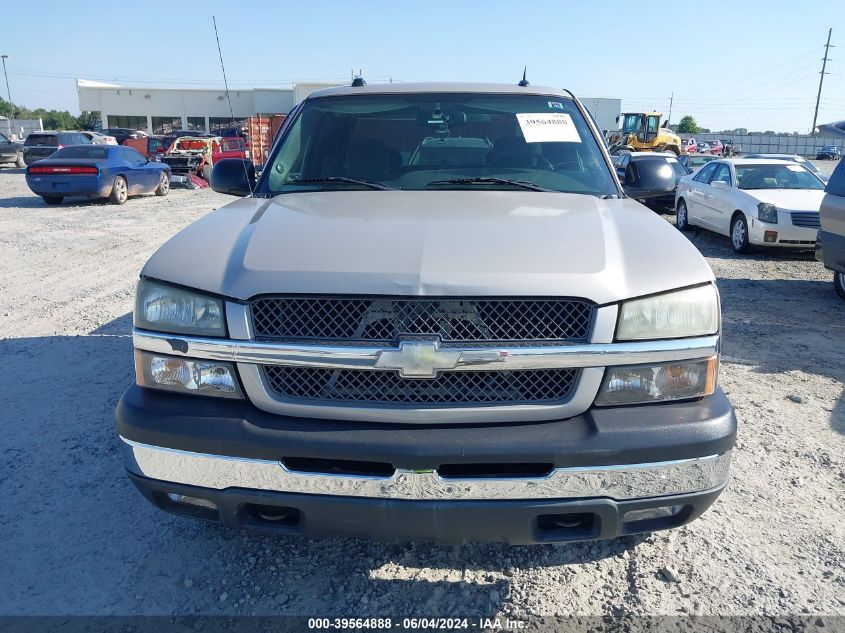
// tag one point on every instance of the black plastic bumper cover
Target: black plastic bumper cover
(598, 437)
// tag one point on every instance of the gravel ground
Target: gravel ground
(76, 538)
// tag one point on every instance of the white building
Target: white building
(160, 110)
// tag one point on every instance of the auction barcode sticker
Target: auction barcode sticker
(548, 127)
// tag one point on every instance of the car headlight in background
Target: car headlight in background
(658, 383)
(678, 314)
(767, 213)
(185, 375)
(170, 309)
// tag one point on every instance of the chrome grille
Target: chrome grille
(386, 319)
(386, 387)
(806, 219)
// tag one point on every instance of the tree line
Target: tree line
(51, 119)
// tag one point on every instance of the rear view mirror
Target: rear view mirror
(719, 184)
(233, 176)
(649, 178)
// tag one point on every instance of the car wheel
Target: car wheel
(20, 162)
(839, 284)
(681, 219)
(739, 234)
(119, 191)
(53, 199)
(163, 185)
(206, 172)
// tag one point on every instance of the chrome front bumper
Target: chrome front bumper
(620, 483)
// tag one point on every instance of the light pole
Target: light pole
(8, 92)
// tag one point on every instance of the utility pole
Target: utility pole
(8, 92)
(821, 81)
(669, 118)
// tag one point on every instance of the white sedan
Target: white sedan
(753, 201)
(98, 138)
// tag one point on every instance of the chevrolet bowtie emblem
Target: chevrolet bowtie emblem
(421, 358)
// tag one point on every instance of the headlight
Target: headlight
(169, 309)
(184, 375)
(767, 213)
(690, 312)
(656, 383)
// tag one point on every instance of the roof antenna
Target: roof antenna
(229, 99)
(524, 82)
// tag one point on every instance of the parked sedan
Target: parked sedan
(694, 161)
(754, 201)
(829, 152)
(689, 146)
(122, 133)
(98, 138)
(10, 152)
(716, 147)
(703, 148)
(97, 171)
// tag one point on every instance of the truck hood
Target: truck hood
(440, 243)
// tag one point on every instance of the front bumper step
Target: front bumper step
(619, 482)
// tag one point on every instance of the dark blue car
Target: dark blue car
(97, 171)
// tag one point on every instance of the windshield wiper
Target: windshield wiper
(351, 181)
(481, 180)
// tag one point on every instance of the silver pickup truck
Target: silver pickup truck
(437, 314)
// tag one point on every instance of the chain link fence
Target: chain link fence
(804, 145)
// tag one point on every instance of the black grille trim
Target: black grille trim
(452, 319)
(377, 387)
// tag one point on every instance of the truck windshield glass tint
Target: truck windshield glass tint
(407, 141)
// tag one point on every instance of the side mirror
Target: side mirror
(719, 184)
(233, 176)
(649, 178)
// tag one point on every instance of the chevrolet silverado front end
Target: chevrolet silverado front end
(499, 346)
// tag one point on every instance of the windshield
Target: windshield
(632, 123)
(776, 177)
(698, 161)
(41, 139)
(82, 151)
(679, 169)
(422, 141)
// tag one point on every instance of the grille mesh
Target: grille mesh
(386, 387)
(806, 219)
(385, 320)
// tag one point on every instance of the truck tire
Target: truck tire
(674, 149)
(119, 191)
(839, 284)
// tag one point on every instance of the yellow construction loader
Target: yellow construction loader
(642, 132)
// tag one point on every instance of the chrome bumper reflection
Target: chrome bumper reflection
(627, 481)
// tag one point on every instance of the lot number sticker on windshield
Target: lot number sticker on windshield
(548, 127)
